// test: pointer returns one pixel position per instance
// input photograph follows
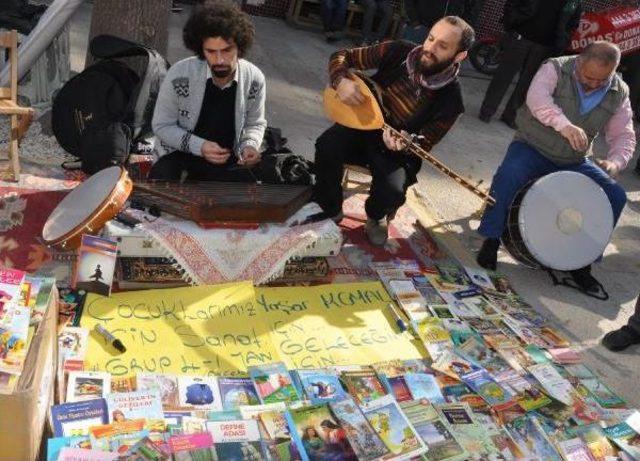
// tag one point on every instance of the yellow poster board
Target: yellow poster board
(223, 329)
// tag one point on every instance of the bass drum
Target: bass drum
(562, 221)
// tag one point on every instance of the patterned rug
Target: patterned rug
(24, 208)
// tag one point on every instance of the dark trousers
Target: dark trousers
(392, 172)
(334, 13)
(371, 7)
(523, 163)
(519, 56)
(634, 320)
(170, 167)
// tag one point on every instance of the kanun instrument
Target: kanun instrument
(208, 202)
(87, 208)
(369, 116)
(562, 221)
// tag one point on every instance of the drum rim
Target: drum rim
(123, 179)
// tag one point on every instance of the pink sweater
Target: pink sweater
(618, 132)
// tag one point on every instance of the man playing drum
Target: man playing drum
(209, 117)
(571, 100)
(421, 91)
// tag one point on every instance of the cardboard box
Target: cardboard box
(23, 413)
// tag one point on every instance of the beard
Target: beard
(435, 66)
(222, 71)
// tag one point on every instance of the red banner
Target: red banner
(618, 25)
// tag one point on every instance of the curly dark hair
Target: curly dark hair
(218, 18)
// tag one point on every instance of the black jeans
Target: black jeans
(170, 167)
(634, 320)
(392, 172)
(519, 56)
(371, 7)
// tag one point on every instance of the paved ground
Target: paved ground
(294, 62)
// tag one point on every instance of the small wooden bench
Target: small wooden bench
(305, 13)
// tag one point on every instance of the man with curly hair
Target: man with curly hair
(209, 117)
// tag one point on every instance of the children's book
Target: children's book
(486, 387)
(277, 436)
(95, 265)
(317, 432)
(442, 444)
(529, 396)
(41, 289)
(575, 450)
(596, 440)
(54, 445)
(82, 454)
(166, 384)
(237, 439)
(104, 436)
(529, 436)
(397, 386)
(192, 447)
(75, 418)
(366, 444)
(601, 393)
(479, 277)
(482, 356)
(147, 450)
(565, 355)
(10, 283)
(460, 420)
(625, 437)
(199, 393)
(393, 427)
(553, 383)
(320, 385)
(123, 383)
(136, 405)
(72, 343)
(87, 385)
(424, 386)
(14, 338)
(254, 411)
(364, 385)
(273, 383)
(237, 391)
(451, 364)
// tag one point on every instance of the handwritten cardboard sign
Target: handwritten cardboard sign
(222, 329)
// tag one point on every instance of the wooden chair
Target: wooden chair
(21, 117)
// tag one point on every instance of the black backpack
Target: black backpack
(100, 112)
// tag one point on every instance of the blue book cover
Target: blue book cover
(75, 418)
(424, 386)
(235, 392)
(320, 385)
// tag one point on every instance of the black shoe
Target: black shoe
(585, 280)
(486, 118)
(488, 254)
(619, 340)
(509, 122)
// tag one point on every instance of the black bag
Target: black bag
(281, 166)
(90, 110)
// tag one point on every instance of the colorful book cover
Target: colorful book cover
(459, 330)
(103, 436)
(136, 405)
(10, 283)
(14, 338)
(431, 330)
(575, 450)
(365, 442)
(54, 445)
(480, 355)
(451, 364)
(596, 440)
(148, 450)
(320, 385)
(254, 411)
(166, 384)
(236, 440)
(453, 274)
(273, 383)
(72, 343)
(82, 454)
(479, 277)
(122, 443)
(517, 358)
(277, 436)
(482, 305)
(95, 265)
(75, 418)
(397, 386)
(601, 393)
(432, 430)
(424, 386)
(528, 434)
(199, 392)
(87, 385)
(364, 385)
(486, 387)
(124, 383)
(625, 437)
(393, 427)
(41, 288)
(528, 395)
(553, 383)
(318, 433)
(460, 421)
(192, 447)
(235, 392)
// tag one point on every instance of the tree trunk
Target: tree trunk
(142, 21)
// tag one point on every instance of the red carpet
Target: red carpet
(23, 213)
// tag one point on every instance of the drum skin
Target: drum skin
(110, 198)
(562, 221)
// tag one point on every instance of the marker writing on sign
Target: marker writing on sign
(115, 342)
(396, 317)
